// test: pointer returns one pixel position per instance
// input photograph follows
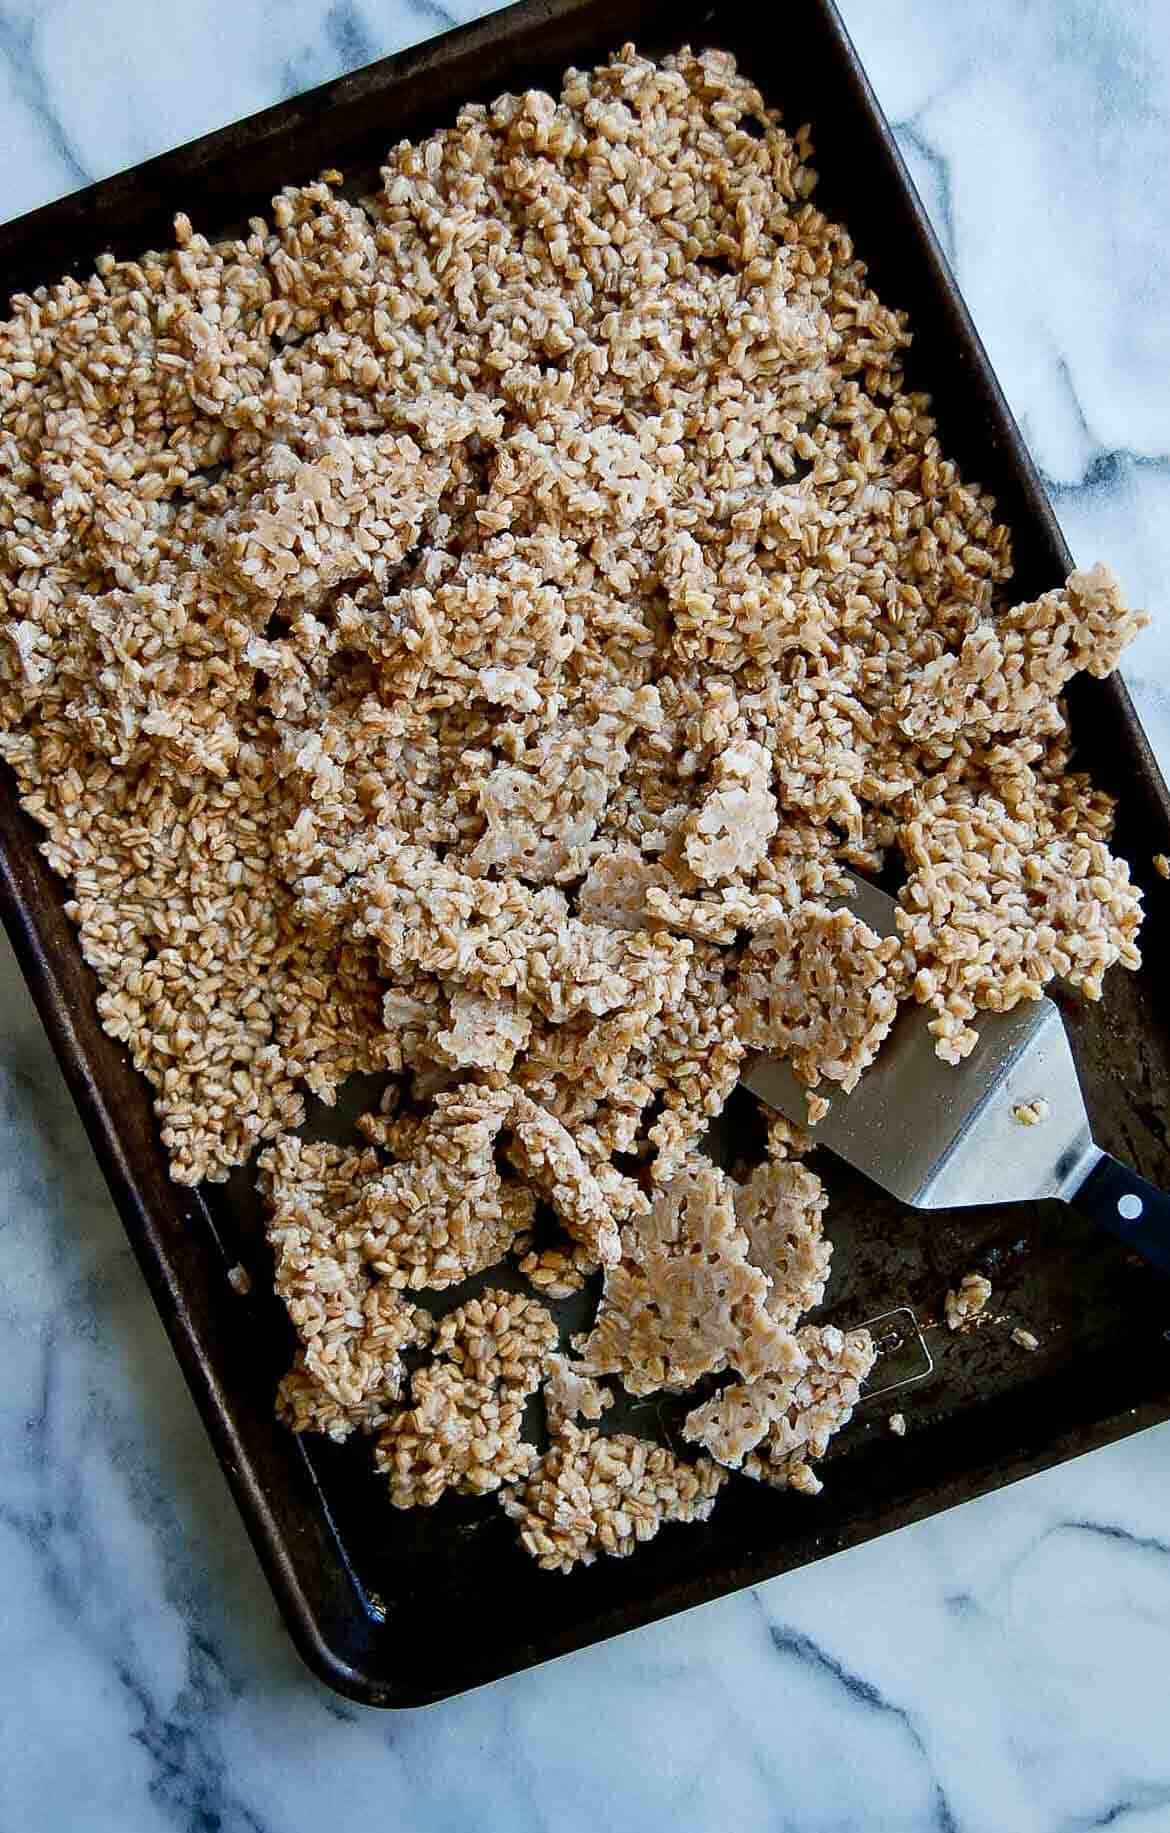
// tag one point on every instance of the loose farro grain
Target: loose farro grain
(1031, 1113)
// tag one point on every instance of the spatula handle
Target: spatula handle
(1116, 1198)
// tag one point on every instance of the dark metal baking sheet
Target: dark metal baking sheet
(396, 1609)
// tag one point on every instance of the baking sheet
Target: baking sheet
(397, 1609)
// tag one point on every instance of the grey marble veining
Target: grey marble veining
(1002, 1669)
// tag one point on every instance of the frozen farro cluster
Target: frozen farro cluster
(467, 634)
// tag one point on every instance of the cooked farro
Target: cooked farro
(466, 634)
(773, 1426)
(967, 1301)
(1031, 1113)
(591, 1494)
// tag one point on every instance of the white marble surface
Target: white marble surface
(1003, 1668)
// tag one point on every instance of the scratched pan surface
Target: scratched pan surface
(399, 1609)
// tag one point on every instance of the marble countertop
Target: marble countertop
(1001, 1669)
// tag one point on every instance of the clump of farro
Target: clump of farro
(820, 989)
(569, 1394)
(779, 1208)
(467, 635)
(500, 1337)
(352, 1326)
(456, 1434)
(775, 1425)
(591, 1494)
(685, 1300)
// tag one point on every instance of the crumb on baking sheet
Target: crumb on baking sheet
(556, 1272)
(897, 1424)
(965, 1304)
(1026, 1339)
(1031, 1113)
(239, 1279)
(1162, 865)
(464, 636)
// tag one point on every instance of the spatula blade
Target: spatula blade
(938, 1136)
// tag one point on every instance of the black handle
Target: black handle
(1116, 1198)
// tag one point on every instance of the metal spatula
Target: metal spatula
(943, 1137)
